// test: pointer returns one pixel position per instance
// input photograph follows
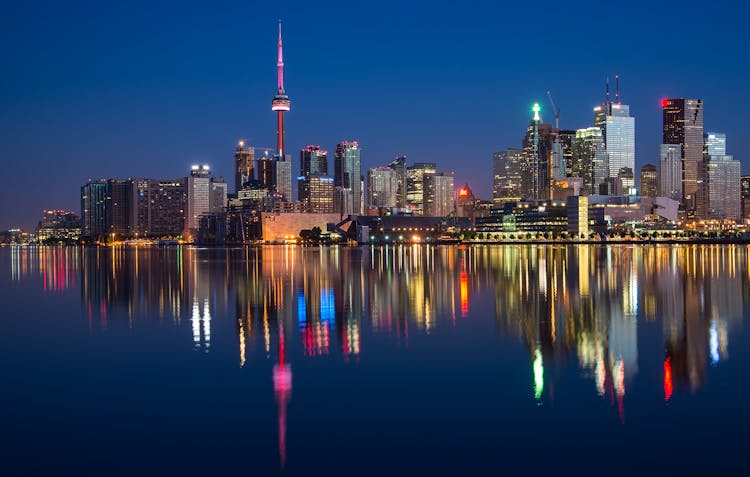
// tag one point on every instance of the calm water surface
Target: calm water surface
(385, 361)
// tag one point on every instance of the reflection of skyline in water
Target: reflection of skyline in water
(581, 303)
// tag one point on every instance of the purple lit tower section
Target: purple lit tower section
(280, 103)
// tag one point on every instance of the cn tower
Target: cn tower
(280, 103)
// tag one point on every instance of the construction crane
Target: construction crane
(558, 168)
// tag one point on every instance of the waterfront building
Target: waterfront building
(507, 179)
(382, 187)
(439, 194)
(121, 208)
(283, 179)
(683, 125)
(399, 167)
(244, 165)
(348, 172)
(719, 195)
(93, 212)
(198, 196)
(415, 185)
(649, 181)
(745, 194)
(266, 172)
(578, 216)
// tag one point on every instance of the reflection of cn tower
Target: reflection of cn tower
(282, 386)
(280, 103)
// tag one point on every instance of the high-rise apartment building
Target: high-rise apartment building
(618, 134)
(283, 179)
(683, 125)
(415, 185)
(93, 211)
(507, 179)
(439, 194)
(165, 207)
(589, 159)
(244, 165)
(198, 196)
(670, 171)
(348, 171)
(313, 160)
(382, 187)
(266, 171)
(649, 181)
(399, 166)
(121, 207)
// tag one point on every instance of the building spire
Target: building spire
(280, 62)
(617, 88)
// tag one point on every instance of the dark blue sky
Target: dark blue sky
(129, 89)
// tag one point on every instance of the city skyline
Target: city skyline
(104, 126)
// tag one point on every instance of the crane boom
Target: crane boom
(555, 109)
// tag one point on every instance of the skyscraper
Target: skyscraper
(507, 180)
(93, 211)
(399, 166)
(618, 133)
(714, 144)
(745, 193)
(347, 172)
(670, 171)
(217, 201)
(537, 148)
(316, 193)
(589, 159)
(719, 195)
(382, 187)
(313, 160)
(283, 179)
(415, 185)
(121, 207)
(683, 125)
(439, 194)
(649, 183)
(266, 172)
(244, 165)
(198, 197)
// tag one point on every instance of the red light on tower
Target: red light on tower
(664, 103)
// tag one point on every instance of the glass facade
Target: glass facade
(507, 179)
(683, 125)
(382, 187)
(348, 172)
(589, 159)
(415, 184)
(618, 133)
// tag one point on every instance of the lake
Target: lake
(283, 360)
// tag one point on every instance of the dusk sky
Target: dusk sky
(129, 89)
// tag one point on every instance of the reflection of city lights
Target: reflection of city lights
(464, 287)
(668, 379)
(714, 344)
(538, 374)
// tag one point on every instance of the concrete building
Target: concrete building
(578, 216)
(121, 208)
(217, 201)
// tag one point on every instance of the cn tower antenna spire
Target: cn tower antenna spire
(280, 62)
